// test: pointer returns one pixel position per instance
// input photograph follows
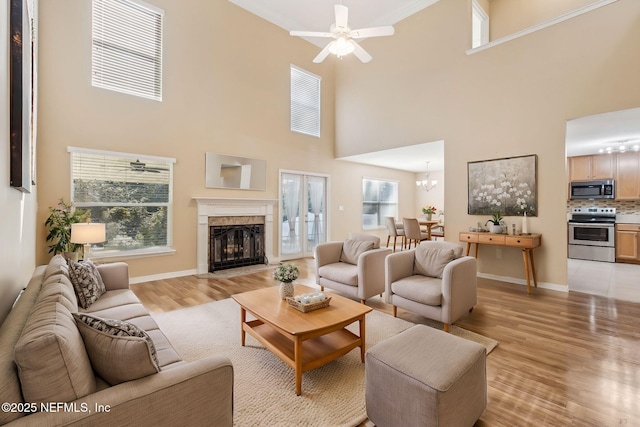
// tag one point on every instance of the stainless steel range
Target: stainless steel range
(592, 234)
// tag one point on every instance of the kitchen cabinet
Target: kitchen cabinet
(585, 168)
(628, 176)
(628, 243)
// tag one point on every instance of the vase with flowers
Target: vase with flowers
(286, 274)
(428, 211)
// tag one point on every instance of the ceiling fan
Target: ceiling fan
(343, 42)
(139, 166)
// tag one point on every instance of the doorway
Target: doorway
(303, 213)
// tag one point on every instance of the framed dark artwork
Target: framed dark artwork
(508, 186)
(22, 93)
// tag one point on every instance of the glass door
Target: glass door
(303, 218)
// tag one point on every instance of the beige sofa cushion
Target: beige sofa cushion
(10, 331)
(86, 281)
(53, 365)
(430, 261)
(351, 250)
(119, 351)
(340, 272)
(421, 289)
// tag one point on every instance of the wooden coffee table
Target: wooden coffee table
(303, 341)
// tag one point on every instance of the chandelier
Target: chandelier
(427, 184)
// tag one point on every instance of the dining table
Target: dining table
(428, 224)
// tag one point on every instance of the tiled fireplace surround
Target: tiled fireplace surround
(216, 207)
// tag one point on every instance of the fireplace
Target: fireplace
(236, 241)
(234, 212)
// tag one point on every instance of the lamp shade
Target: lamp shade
(87, 233)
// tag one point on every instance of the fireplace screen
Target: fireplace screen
(236, 246)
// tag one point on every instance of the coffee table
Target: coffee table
(303, 341)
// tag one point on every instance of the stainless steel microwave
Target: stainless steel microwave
(604, 189)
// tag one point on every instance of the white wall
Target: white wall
(17, 210)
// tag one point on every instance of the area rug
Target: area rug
(264, 386)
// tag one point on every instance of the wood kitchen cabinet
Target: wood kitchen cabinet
(585, 168)
(628, 243)
(628, 176)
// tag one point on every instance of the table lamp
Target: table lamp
(87, 233)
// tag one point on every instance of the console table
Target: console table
(526, 242)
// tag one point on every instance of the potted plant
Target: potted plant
(495, 226)
(59, 223)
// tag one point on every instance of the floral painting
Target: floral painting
(507, 186)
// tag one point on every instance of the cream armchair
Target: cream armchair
(433, 280)
(354, 267)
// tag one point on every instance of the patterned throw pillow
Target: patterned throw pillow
(119, 351)
(86, 281)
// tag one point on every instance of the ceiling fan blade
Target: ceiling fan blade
(310, 34)
(342, 16)
(323, 53)
(372, 32)
(360, 53)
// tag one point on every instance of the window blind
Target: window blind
(131, 195)
(127, 47)
(305, 102)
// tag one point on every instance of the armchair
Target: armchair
(433, 280)
(354, 267)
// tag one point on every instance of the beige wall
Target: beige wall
(509, 16)
(509, 100)
(225, 90)
(17, 210)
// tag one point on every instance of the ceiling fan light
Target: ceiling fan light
(341, 46)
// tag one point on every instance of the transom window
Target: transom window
(127, 47)
(131, 194)
(379, 200)
(305, 102)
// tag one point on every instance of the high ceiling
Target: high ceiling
(318, 15)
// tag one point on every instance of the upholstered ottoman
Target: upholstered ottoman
(425, 377)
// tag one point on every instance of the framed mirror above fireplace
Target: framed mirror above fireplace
(240, 173)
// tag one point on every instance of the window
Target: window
(127, 47)
(131, 194)
(379, 200)
(479, 25)
(305, 102)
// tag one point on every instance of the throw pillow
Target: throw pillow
(119, 351)
(431, 261)
(351, 250)
(86, 281)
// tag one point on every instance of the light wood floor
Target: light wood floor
(564, 359)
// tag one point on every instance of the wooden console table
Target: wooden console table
(525, 242)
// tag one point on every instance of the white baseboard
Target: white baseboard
(162, 276)
(523, 282)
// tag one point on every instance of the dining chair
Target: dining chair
(412, 232)
(395, 232)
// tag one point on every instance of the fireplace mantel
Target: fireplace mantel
(209, 206)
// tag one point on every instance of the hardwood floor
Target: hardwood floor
(564, 359)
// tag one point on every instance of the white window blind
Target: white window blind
(305, 102)
(131, 194)
(127, 47)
